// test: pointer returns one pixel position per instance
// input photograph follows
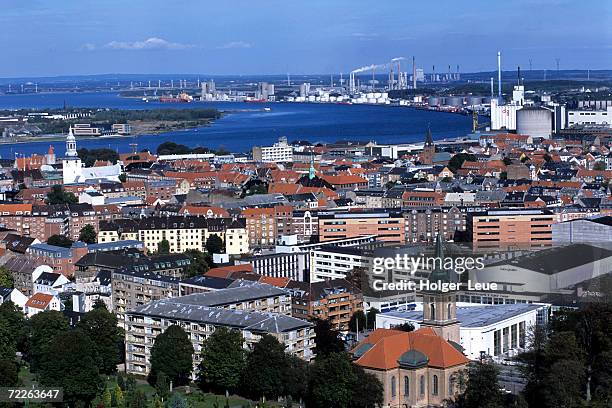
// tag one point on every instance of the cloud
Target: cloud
(235, 44)
(153, 43)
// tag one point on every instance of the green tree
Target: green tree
(106, 347)
(172, 148)
(9, 372)
(172, 354)
(269, 360)
(457, 160)
(60, 240)
(107, 398)
(482, 389)
(162, 386)
(137, 399)
(163, 247)
(69, 362)
(118, 395)
(358, 320)
(44, 326)
(326, 338)
(332, 381)
(12, 330)
(367, 390)
(176, 401)
(89, 157)
(296, 377)
(123, 177)
(198, 263)
(371, 318)
(214, 244)
(407, 327)
(88, 234)
(222, 361)
(6, 278)
(57, 195)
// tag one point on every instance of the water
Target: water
(248, 124)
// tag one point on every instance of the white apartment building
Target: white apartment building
(278, 153)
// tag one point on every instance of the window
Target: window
(432, 310)
(406, 386)
(422, 385)
(435, 385)
(393, 390)
(451, 384)
(448, 311)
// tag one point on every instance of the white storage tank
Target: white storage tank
(434, 101)
(534, 121)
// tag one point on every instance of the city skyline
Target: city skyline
(275, 38)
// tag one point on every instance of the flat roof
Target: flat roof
(474, 316)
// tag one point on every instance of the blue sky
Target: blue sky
(64, 37)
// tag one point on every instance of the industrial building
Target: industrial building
(583, 230)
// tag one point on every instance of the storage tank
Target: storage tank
(473, 100)
(534, 121)
(434, 101)
(454, 101)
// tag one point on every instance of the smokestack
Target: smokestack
(518, 75)
(492, 89)
(499, 84)
(413, 74)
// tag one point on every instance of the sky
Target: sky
(74, 37)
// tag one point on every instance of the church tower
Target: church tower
(71, 164)
(429, 148)
(440, 308)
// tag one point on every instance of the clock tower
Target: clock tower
(71, 164)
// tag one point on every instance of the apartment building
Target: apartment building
(199, 320)
(424, 224)
(280, 152)
(386, 225)
(511, 228)
(335, 299)
(132, 288)
(330, 263)
(293, 266)
(182, 233)
(260, 226)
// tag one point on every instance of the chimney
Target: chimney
(499, 83)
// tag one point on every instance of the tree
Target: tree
(162, 387)
(457, 160)
(177, 401)
(198, 263)
(296, 377)
(371, 318)
(88, 234)
(123, 177)
(60, 240)
(6, 278)
(269, 360)
(137, 399)
(172, 354)
(163, 247)
(118, 395)
(332, 381)
(172, 148)
(106, 347)
(222, 361)
(12, 330)
(107, 398)
(326, 338)
(69, 362)
(57, 195)
(9, 372)
(482, 390)
(44, 326)
(89, 157)
(214, 244)
(358, 320)
(367, 390)
(407, 327)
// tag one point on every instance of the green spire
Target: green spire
(311, 172)
(439, 273)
